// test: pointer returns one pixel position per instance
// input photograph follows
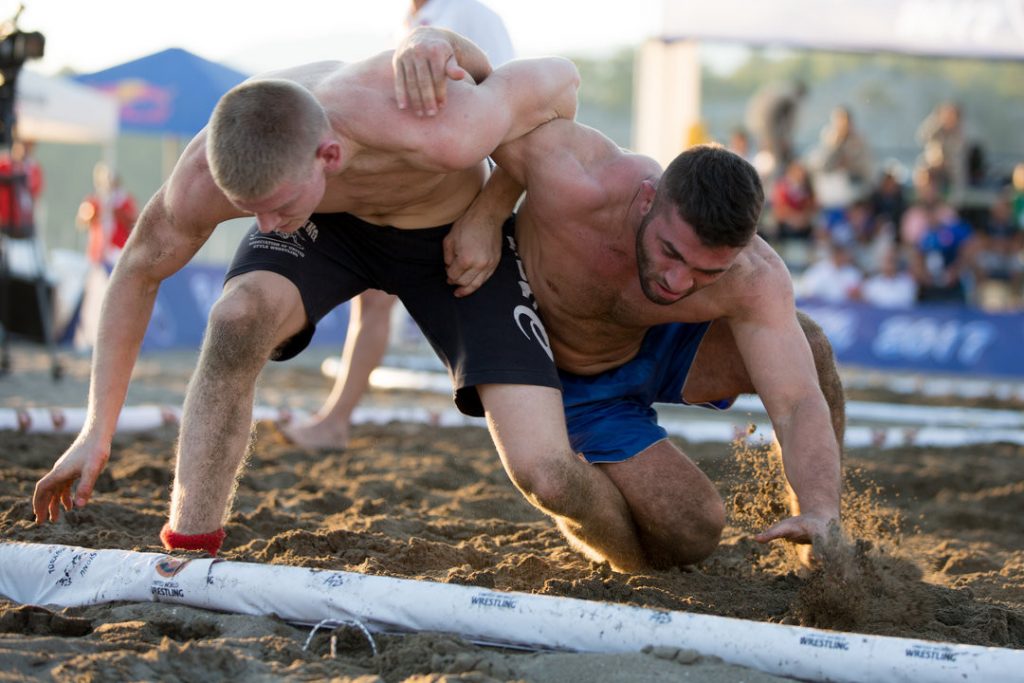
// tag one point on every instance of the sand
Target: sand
(934, 549)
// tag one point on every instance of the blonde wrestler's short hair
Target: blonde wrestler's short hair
(260, 132)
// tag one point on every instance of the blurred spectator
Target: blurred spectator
(841, 164)
(944, 146)
(771, 117)
(471, 18)
(927, 195)
(1018, 194)
(739, 143)
(888, 202)
(108, 214)
(943, 260)
(1000, 271)
(832, 279)
(892, 286)
(21, 183)
(857, 227)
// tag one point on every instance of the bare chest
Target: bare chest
(391, 191)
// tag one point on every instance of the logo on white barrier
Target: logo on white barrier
(825, 641)
(170, 566)
(166, 589)
(489, 600)
(933, 652)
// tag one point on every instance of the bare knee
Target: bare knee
(686, 540)
(553, 485)
(241, 329)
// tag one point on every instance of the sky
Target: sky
(256, 35)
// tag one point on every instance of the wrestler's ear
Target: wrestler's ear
(648, 189)
(329, 153)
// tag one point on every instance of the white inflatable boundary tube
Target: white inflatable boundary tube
(66, 576)
(147, 418)
(891, 413)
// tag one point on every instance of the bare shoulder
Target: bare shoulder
(760, 283)
(584, 161)
(765, 262)
(190, 197)
(310, 75)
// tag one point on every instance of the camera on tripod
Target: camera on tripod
(16, 47)
(17, 221)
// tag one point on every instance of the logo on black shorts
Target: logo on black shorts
(291, 243)
(534, 328)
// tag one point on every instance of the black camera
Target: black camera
(19, 46)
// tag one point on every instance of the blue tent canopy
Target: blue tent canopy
(172, 92)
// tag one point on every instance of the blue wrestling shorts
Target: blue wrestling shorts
(610, 416)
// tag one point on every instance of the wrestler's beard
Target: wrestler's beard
(647, 272)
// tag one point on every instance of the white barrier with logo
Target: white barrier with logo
(67, 576)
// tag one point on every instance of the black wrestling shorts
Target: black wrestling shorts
(493, 336)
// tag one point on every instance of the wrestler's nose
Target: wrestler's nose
(679, 278)
(268, 222)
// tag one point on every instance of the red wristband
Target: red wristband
(209, 542)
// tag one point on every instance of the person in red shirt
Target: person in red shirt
(793, 203)
(21, 182)
(108, 230)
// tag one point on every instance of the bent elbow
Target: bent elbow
(567, 78)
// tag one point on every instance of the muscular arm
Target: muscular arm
(514, 100)
(781, 367)
(172, 227)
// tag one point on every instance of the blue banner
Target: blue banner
(928, 339)
(184, 301)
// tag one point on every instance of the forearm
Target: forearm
(499, 196)
(811, 457)
(124, 317)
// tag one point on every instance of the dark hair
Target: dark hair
(716, 191)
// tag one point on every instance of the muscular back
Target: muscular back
(577, 237)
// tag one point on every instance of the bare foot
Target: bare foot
(317, 432)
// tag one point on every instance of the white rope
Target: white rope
(334, 639)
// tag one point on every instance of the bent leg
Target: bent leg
(677, 511)
(366, 342)
(255, 314)
(528, 428)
